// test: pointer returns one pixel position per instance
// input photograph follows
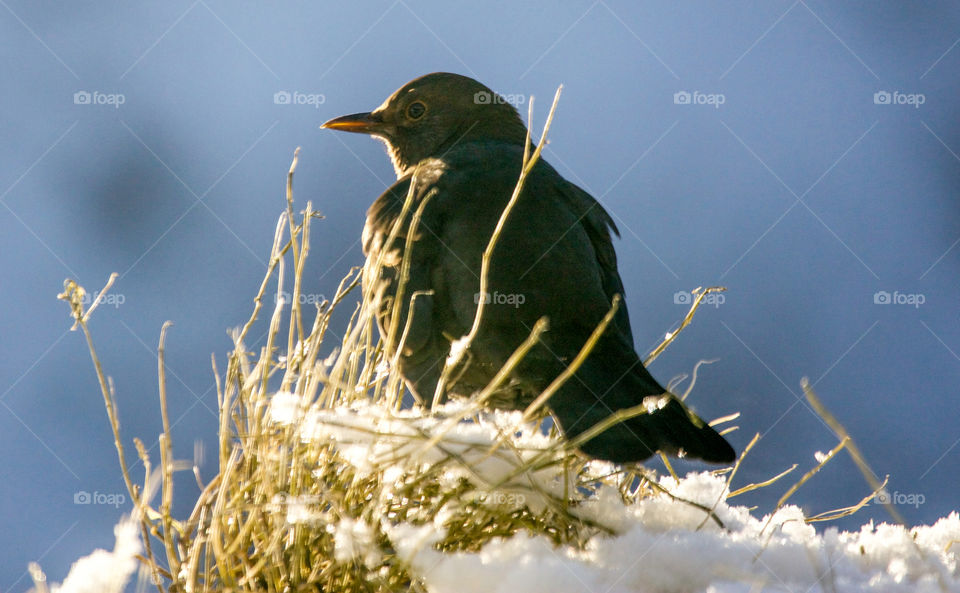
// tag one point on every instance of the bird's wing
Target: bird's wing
(422, 343)
(598, 224)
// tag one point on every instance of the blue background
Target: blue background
(799, 193)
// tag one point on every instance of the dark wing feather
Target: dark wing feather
(598, 224)
(423, 347)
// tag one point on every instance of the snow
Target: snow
(683, 560)
(354, 540)
(661, 550)
(103, 571)
(662, 545)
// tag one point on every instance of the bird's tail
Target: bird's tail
(666, 426)
(663, 423)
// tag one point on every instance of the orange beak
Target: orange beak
(361, 123)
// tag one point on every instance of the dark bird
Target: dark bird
(461, 146)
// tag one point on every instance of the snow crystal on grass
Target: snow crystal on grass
(354, 540)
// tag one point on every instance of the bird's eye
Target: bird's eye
(416, 110)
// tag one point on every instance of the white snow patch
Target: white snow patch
(662, 545)
(790, 557)
(103, 571)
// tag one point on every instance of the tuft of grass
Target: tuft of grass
(321, 468)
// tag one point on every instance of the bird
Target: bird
(457, 149)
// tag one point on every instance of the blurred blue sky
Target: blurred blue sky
(816, 189)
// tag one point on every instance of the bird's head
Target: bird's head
(429, 115)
